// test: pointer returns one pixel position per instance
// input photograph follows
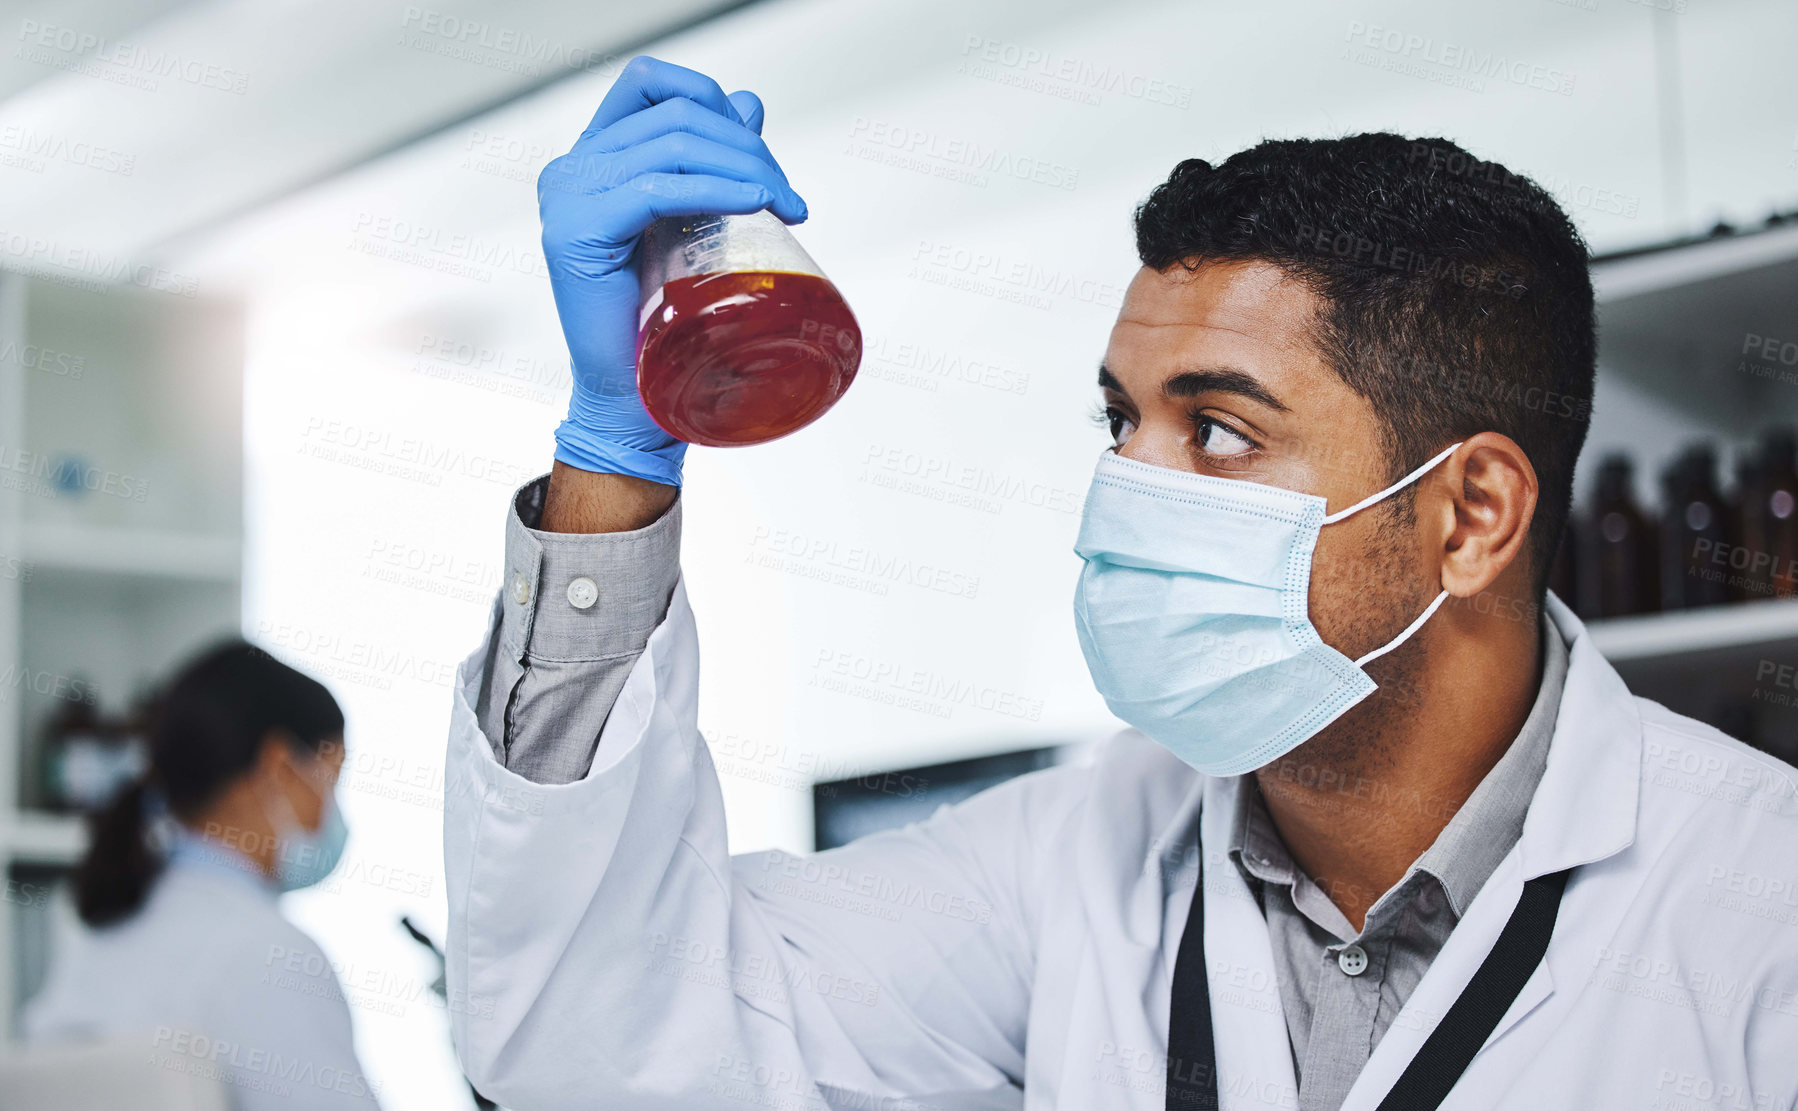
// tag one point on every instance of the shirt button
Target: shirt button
(582, 593)
(1352, 960)
(521, 589)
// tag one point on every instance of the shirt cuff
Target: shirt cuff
(575, 612)
(571, 597)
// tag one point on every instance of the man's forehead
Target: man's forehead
(1253, 299)
(1249, 316)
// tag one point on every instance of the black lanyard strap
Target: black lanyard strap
(1446, 1053)
(1191, 1051)
(1450, 1048)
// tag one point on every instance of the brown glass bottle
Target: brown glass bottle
(1767, 516)
(1748, 583)
(1694, 530)
(1623, 562)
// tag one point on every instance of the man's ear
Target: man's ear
(1489, 500)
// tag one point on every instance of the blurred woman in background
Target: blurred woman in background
(183, 943)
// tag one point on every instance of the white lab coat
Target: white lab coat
(216, 983)
(620, 957)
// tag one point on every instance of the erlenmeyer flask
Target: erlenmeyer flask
(741, 338)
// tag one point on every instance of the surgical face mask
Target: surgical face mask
(1193, 612)
(302, 856)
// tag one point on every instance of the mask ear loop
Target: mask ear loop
(295, 827)
(1409, 629)
(1373, 499)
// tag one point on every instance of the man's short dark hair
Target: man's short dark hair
(1457, 293)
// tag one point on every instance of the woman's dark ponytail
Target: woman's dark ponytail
(114, 878)
(206, 731)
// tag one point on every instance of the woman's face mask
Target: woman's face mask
(302, 856)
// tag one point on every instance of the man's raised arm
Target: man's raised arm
(591, 561)
(605, 949)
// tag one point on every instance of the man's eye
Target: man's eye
(1120, 426)
(1215, 438)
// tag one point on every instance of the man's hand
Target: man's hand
(666, 141)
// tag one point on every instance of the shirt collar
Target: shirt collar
(1469, 848)
(193, 852)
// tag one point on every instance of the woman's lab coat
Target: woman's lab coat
(216, 983)
(612, 953)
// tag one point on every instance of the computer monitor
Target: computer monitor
(844, 809)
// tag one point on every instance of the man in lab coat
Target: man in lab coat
(1388, 832)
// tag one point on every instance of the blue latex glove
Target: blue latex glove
(666, 141)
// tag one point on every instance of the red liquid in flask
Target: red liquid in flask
(744, 357)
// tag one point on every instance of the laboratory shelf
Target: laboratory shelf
(105, 591)
(1662, 635)
(39, 837)
(1695, 344)
(1687, 265)
(153, 553)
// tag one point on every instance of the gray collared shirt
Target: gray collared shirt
(1342, 989)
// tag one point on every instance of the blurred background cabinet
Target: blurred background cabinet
(1698, 348)
(121, 525)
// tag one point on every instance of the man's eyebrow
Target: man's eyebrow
(1220, 379)
(1191, 383)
